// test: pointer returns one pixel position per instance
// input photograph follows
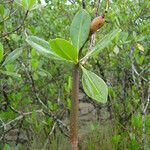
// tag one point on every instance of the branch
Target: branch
(17, 28)
(107, 5)
(148, 101)
(72, 1)
(45, 108)
(138, 74)
(8, 101)
(6, 18)
(93, 36)
(50, 114)
(11, 123)
(83, 4)
(106, 8)
(18, 118)
(50, 133)
(97, 8)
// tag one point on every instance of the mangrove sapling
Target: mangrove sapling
(70, 52)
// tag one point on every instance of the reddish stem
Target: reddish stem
(74, 109)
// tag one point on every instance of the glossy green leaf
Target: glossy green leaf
(64, 49)
(80, 28)
(12, 56)
(104, 42)
(1, 52)
(94, 86)
(10, 74)
(42, 47)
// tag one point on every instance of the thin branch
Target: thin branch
(93, 36)
(19, 118)
(106, 8)
(45, 108)
(107, 5)
(97, 8)
(50, 133)
(13, 122)
(136, 72)
(83, 4)
(148, 101)
(8, 101)
(50, 114)
(6, 18)
(72, 1)
(17, 28)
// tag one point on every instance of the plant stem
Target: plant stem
(74, 109)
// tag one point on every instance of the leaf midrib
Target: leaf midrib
(80, 30)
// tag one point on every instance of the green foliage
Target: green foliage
(27, 4)
(41, 46)
(133, 145)
(105, 41)
(136, 121)
(58, 140)
(52, 106)
(12, 56)
(35, 64)
(7, 73)
(139, 57)
(64, 49)
(94, 86)
(55, 49)
(80, 28)
(116, 139)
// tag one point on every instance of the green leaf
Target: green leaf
(32, 3)
(80, 28)
(94, 86)
(41, 46)
(12, 56)
(1, 52)
(10, 74)
(104, 42)
(116, 139)
(2, 10)
(27, 4)
(34, 63)
(64, 49)
(136, 121)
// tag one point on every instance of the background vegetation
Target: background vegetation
(35, 91)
